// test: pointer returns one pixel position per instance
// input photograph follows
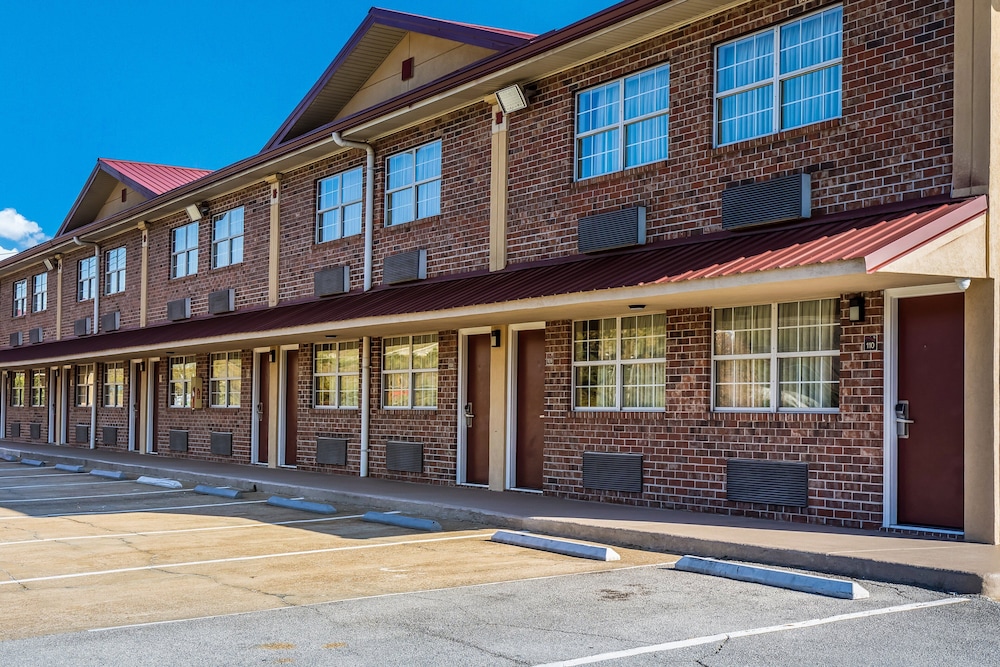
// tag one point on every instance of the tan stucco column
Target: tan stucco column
(498, 191)
(59, 300)
(498, 412)
(144, 276)
(274, 238)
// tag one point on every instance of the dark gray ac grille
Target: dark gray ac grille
(612, 472)
(15, 429)
(179, 309)
(777, 200)
(221, 443)
(111, 321)
(15, 339)
(770, 482)
(335, 280)
(81, 327)
(222, 301)
(178, 441)
(615, 229)
(404, 456)
(332, 451)
(109, 435)
(404, 267)
(34, 431)
(36, 335)
(82, 433)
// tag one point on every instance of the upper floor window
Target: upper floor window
(20, 298)
(777, 357)
(410, 371)
(84, 385)
(114, 271)
(335, 375)
(40, 292)
(182, 374)
(184, 251)
(338, 206)
(224, 379)
(86, 279)
(413, 184)
(758, 92)
(227, 238)
(38, 388)
(17, 389)
(619, 363)
(114, 384)
(623, 124)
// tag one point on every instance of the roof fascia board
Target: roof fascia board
(127, 180)
(79, 198)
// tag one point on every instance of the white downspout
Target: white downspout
(366, 340)
(95, 328)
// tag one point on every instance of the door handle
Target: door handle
(903, 420)
(260, 412)
(468, 415)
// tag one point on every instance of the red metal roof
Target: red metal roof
(876, 235)
(157, 178)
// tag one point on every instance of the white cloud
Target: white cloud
(17, 228)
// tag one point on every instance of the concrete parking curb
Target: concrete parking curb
(9, 458)
(304, 505)
(159, 481)
(69, 468)
(110, 474)
(33, 462)
(806, 583)
(564, 547)
(402, 521)
(217, 491)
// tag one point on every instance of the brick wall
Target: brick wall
(893, 141)
(45, 319)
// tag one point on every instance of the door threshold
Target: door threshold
(930, 530)
(474, 485)
(288, 467)
(520, 490)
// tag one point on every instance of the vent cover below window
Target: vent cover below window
(222, 301)
(616, 229)
(404, 267)
(332, 451)
(777, 200)
(15, 339)
(770, 482)
(612, 472)
(404, 456)
(36, 335)
(335, 280)
(111, 321)
(179, 309)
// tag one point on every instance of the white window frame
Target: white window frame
(86, 278)
(340, 207)
(619, 364)
(775, 80)
(20, 298)
(39, 292)
(410, 373)
(114, 384)
(227, 247)
(773, 357)
(114, 270)
(17, 389)
(38, 388)
(231, 384)
(83, 391)
(337, 376)
(180, 388)
(621, 125)
(188, 252)
(413, 184)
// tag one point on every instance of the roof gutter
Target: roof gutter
(94, 329)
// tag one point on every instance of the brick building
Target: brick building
(731, 257)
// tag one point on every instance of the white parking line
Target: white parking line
(239, 559)
(62, 484)
(44, 474)
(103, 495)
(142, 510)
(147, 533)
(714, 639)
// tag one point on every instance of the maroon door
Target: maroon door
(262, 410)
(931, 456)
(477, 427)
(530, 407)
(155, 403)
(291, 407)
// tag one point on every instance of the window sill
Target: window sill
(627, 174)
(774, 140)
(402, 225)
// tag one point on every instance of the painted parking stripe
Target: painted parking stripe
(147, 533)
(103, 495)
(59, 485)
(714, 639)
(49, 474)
(20, 517)
(240, 559)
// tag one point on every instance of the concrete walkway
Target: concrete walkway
(958, 567)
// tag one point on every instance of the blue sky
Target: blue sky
(189, 83)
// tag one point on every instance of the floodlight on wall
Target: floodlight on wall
(856, 309)
(49, 264)
(963, 283)
(511, 99)
(193, 212)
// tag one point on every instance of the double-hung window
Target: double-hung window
(409, 371)
(335, 375)
(114, 384)
(338, 206)
(20, 298)
(86, 279)
(783, 357)
(623, 124)
(779, 79)
(17, 389)
(227, 238)
(182, 373)
(619, 363)
(114, 271)
(39, 292)
(38, 388)
(413, 184)
(184, 250)
(84, 385)
(224, 379)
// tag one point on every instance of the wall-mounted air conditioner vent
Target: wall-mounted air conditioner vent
(15, 339)
(83, 326)
(35, 431)
(221, 443)
(770, 482)
(404, 456)
(111, 321)
(109, 435)
(179, 309)
(615, 229)
(404, 267)
(178, 440)
(15, 429)
(777, 200)
(612, 472)
(36, 335)
(82, 433)
(222, 301)
(332, 451)
(335, 280)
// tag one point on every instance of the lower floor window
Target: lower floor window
(17, 389)
(409, 371)
(84, 385)
(182, 373)
(335, 375)
(38, 389)
(224, 380)
(782, 356)
(619, 363)
(114, 384)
